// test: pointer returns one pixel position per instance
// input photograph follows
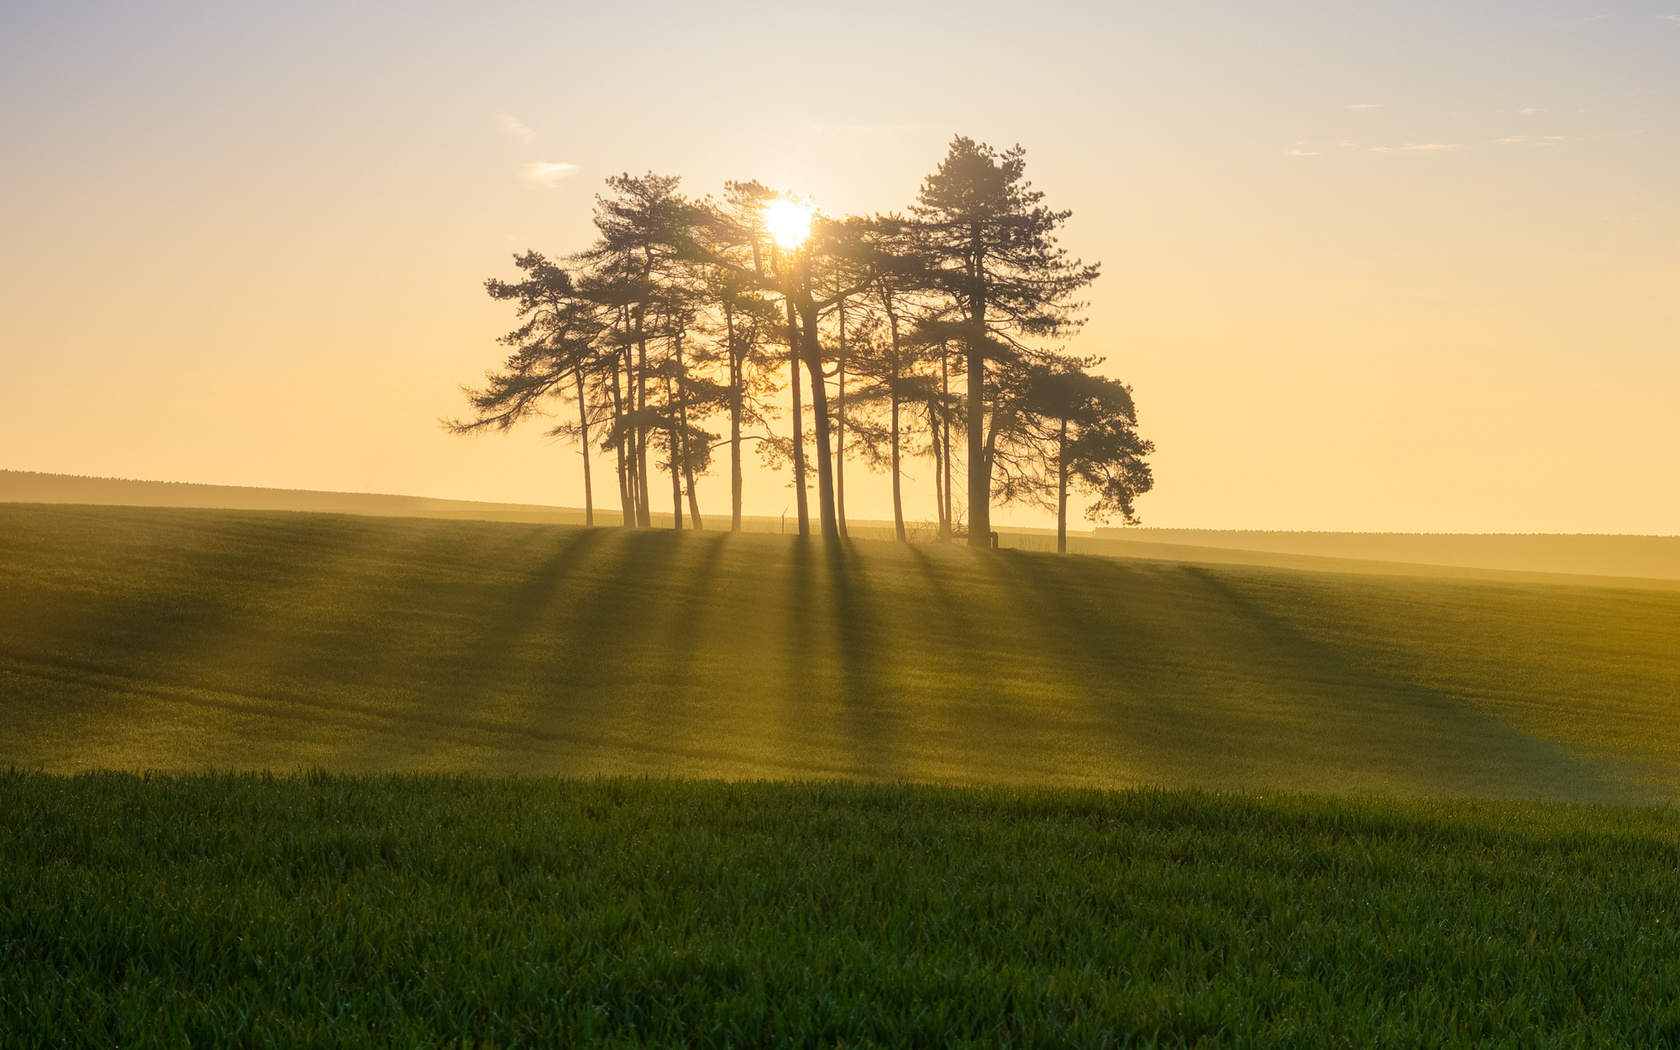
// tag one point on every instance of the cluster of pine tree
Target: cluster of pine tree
(935, 334)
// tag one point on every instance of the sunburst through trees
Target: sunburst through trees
(935, 335)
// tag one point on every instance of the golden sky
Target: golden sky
(1393, 266)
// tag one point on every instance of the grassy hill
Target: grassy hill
(332, 908)
(1621, 560)
(190, 639)
(22, 486)
(1653, 557)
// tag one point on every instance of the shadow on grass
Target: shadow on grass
(1318, 715)
(862, 651)
(512, 615)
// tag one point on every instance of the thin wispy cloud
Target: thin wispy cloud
(1410, 146)
(515, 130)
(1673, 20)
(1366, 105)
(549, 173)
(1531, 111)
(1530, 140)
(1309, 148)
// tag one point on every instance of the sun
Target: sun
(789, 222)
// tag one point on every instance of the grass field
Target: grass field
(1625, 559)
(188, 639)
(328, 911)
(375, 896)
(1656, 557)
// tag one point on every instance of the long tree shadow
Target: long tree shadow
(947, 625)
(511, 617)
(676, 663)
(1244, 683)
(198, 590)
(1472, 744)
(422, 648)
(870, 713)
(606, 621)
(987, 638)
(804, 659)
(422, 602)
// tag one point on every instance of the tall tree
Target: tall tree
(885, 354)
(1071, 429)
(800, 245)
(738, 240)
(829, 268)
(997, 259)
(744, 321)
(799, 274)
(635, 273)
(554, 354)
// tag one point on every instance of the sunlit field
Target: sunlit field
(236, 910)
(186, 640)
(879, 795)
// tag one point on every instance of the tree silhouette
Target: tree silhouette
(679, 312)
(635, 269)
(740, 262)
(996, 258)
(1071, 429)
(553, 347)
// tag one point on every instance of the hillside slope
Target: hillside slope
(21, 486)
(190, 639)
(1650, 557)
(1616, 560)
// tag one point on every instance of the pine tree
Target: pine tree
(554, 355)
(997, 261)
(1071, 429)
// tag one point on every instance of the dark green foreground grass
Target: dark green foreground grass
(324, 910)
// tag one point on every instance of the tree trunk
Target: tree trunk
(625, 503)
(819, 410)
(583, 434)
(979, 464)
(644, 512)
(682, 427)
(673, 445)
(798, 423)
(1061, 490)
(736, 394)
(840, 443)
(898, 497)
(938, 471)
(947, 526)
(693, 501)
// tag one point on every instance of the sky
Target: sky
(1403, 266)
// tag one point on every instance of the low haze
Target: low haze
(1404, 266)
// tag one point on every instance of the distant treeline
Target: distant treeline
(685, 327)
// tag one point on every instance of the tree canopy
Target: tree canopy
(934, 335)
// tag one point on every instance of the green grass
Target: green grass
(183, 640)
(384, 899)
(431, 911)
